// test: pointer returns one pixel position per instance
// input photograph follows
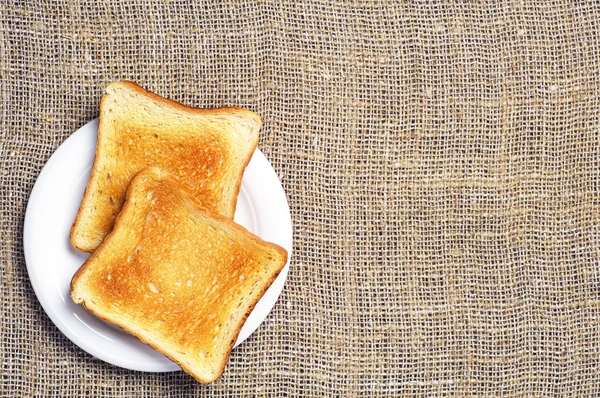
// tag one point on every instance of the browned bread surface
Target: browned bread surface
(207, 150)
(177, 276)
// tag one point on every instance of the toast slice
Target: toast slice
(207, 150)
(177, 276)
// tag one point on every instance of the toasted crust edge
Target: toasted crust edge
(97, 252)
(187, 369)
(136, 87)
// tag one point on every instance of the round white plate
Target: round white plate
(51, 260)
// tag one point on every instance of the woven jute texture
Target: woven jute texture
(442, 167)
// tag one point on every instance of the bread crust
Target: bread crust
(84, 245)
(181, 364)
(96, 257)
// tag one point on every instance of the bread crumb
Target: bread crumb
(153, 287)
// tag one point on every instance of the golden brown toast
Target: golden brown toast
(207, 150)
(177, 276)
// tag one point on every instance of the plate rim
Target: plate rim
(57, 318)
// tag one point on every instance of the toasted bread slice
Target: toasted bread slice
(177, 276)
(207, 150)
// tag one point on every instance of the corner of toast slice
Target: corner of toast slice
(207, 150)
(177, 276)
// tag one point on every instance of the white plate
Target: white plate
(51, 260)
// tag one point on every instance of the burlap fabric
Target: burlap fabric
(441, 163)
